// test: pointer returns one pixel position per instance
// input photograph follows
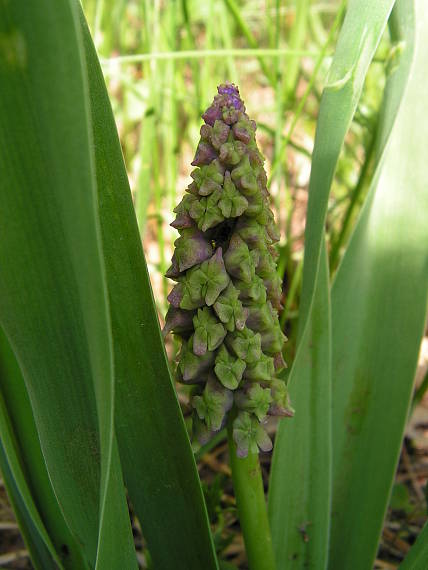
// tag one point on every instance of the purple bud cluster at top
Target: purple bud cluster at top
(225, 303)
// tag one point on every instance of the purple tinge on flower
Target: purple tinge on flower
(178, 321)
(225, 304)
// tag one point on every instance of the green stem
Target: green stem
(252, 511)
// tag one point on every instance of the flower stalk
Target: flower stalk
(251, 503)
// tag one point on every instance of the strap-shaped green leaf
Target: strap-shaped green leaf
(53, 300)
(299, 500)
(299, 495)
(359, 37)
(159, 469)
(30, 525)
(381, 290)
(23, 467)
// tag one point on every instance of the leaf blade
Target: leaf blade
(28, 480)
(360, 34)
(299, 496)
(53, 299)
(165, 490)
(388, 271)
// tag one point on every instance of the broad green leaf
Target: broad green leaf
(157, 459)
(30, 490)
(417, 558)
(53, 301)
(299, 496)
(299, 501)
(379, 302)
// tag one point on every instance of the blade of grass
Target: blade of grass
(296, 41)
(299, 499)
(227, 38)
(379, 303)
(53, 302)
(145, 149)
(206, 53)
(235, 12)
(170, 134)
(279, 157)
(159, 469)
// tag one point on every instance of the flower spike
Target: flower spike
(225, 303)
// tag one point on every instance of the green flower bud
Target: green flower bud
(209, 280)
(231, 203)
(261, 371)
(254, 399)
(209, 333)
(192, 367)
(219, 134)
(273, 339)
(224, 303)
(213, 404)
(280, 400)
(261, 318)
(228, 368)
(231, 152)
(245, 178)
(239, 261)
(206, 211)
(246, 344)
(229, 309)
(249, 435)
(208, 178)
(253, 293)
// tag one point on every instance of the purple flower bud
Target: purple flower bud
(191, 248)
(212, 114)
(182, 221)
(178, 321)
(244, 131)
(279, 362)
(205, 154)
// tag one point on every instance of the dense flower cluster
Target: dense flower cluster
(226, 300)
